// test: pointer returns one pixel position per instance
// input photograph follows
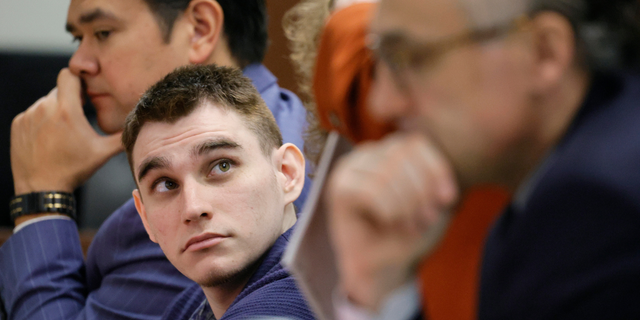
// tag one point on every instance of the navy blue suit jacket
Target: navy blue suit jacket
(126, 276)
(571, 249)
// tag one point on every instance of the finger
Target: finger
(39, 103)
(16, 124)
(111, 145)
(430, 239)
(47, 100)
(377, 186)
(50, 99)
(434, 201)
(416, 182)
(445, 186)
(400, 200)
(420, 186)
(41, 100)
(409, 180)
(394, 190)
(69, 91)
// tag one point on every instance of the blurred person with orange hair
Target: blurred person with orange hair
(330, 39)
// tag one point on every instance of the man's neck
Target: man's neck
(221, 296)
(290, 217)
(222, 55)
(556, 111)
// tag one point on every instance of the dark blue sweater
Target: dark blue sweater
(271, 291)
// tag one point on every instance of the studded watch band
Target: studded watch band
(43, 202)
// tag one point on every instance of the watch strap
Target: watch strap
(43, 202)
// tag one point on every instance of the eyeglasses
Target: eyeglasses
(401, 54)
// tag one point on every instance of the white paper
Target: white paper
(309, 256)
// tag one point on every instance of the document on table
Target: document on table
(309, 256)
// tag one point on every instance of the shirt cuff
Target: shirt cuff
(402, 304)
(35, 220)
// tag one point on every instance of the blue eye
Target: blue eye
(165, 186)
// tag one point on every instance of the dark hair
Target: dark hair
(607, 32)
(187, 88)
(245, 25)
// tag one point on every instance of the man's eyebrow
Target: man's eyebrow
(151, 164)
(91, 16)
(211, 145)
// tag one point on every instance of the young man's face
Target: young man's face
(210, 197)
(121, 52)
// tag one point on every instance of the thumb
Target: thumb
(70, 92)
(111, 145)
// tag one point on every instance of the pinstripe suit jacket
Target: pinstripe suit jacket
(126, 276)
(570, 248)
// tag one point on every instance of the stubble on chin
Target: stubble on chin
(216, 278)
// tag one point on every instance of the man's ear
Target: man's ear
(206, 19)
(137, 200)
(554, 48)
(291, 169)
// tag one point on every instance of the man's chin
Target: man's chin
(238, 275)
(216, 280)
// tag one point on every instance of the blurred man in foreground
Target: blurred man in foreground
(216, 187)
(124, 46)
(518, 93)
(337, 44)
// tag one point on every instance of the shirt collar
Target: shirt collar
(203, 312)
(261, 77)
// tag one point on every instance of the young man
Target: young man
(124, 46)
(520, 93)
(216, 188)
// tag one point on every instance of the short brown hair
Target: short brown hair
(187, 88)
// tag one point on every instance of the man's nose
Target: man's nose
(84, 61)
(388, 102)
(195, 204)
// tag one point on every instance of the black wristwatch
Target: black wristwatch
(43, 202)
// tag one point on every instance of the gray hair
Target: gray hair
(607, 32)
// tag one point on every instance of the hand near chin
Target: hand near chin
(53, 146)
(388, 204)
